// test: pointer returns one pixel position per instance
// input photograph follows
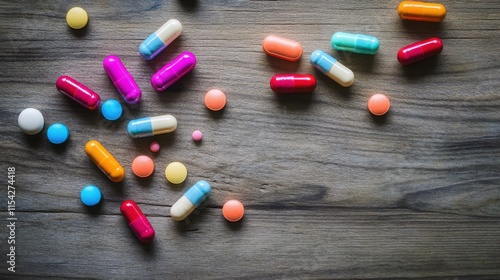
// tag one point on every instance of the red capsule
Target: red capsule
(293, 83)
(137, 221)
(78, 92)
(420, 50)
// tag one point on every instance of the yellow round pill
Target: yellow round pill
(77, 18)
(176, 172)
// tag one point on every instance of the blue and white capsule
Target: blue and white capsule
(190, 200)
(151, 126)
(357, 43)
(160, 39)
(329, 66)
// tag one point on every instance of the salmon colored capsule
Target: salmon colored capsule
(137, 221)
(293, 83)
(282, 48)
(420, 50)
(421, 11)
(78, 92)
(105, 161)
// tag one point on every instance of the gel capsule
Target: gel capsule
(160, 39)
(122, 79)
(420, 50)
(190, 200)
(357, 43)
(105, 161)
(282, 48)
(293, 83)
(332, 68)
(151, 126)
(421, 11)
(78, 92)
(173, 71)
(137, 221)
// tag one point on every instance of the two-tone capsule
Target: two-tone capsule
(190, 200)
(357, 43)
(420, 50)
(421, 11)
(122, 80)
(173, 71)
(329, 66)
(160, 39)
(137, 221)
(78, 92)
(293, 83)
(283, 48)
(150, 126)
(105, 161)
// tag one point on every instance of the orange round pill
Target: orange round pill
(215, 99)
(233, 210)
(378, 104)
(143, 166)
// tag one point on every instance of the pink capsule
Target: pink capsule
(121, 78)
(173, 71)
(78, 92)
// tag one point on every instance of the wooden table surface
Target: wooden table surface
(329, 191)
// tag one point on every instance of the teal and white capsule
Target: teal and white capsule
(160, 39)
(357, 43)
(332, 68)
(190, 200)
(150, 126)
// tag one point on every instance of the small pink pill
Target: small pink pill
(154, 147)
(197, 135)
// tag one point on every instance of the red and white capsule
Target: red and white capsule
(137, 221)
(420, 50)
(293, 83)
(78, 92)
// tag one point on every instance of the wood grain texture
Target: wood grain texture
(329, 190)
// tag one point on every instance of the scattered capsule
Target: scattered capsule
(160, 39)
(329, 66)
(357, 43)
(190, 200)
(293, 83)
(420, 50)
(78, 92)
(105, 161)
(282, 48)
(122, 80)
(421, 11)
(150, 126)
(173, 71)
(137, 221)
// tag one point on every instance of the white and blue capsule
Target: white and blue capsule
(151, 126)
(329, 66)
(160, 39)
(190, 200)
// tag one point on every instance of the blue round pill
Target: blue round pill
(111, 109)
(90, 195)
(57, 133)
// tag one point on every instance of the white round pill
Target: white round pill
(30, 121)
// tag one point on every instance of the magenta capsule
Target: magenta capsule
(78, 92)
(137, 221)
(121, 78)
(173, 71)
(293, 83)
(420, 51)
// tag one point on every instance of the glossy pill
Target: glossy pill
(197, 135)
(421, 11)
(420, 50)
(215, 99)
(378, 104)
(150, 126)
(173, 71)
(137, 221)
(122, 80)
(329, 66)
(190, 200)
(111, 109)
(105, 161)
(77, 18)
(293, 83)
(143, 166)
(57, 133)
(78, 92)
(233, 210)
(90, 195)
(176, 172)
(357, 43)
(160, 39)
(282, 48)
(30, 121)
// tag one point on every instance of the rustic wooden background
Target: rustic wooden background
(329, 190)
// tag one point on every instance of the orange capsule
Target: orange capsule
(421, 11)
(282, 48)
(105, 161)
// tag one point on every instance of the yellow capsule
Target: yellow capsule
(105, 161)
(421, 11)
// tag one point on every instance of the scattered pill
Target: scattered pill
(77, 18)
(143, 166)
(78, 92)
(173, 71)
(233, 210)
(160, 39)
(191, 199)
(137, 221)
(111, 109)
(122, 80)
(419, 51)
(329, 66)
(57, 133)
(197, 135)
(30, 120)
(90, 195)
(421, 11)
(176, 172)
(293, 83)
(150, 126)
(215, 99)
(378, 104)
(282, 48)
(104, 160)
(154, 147)
(357, 43)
